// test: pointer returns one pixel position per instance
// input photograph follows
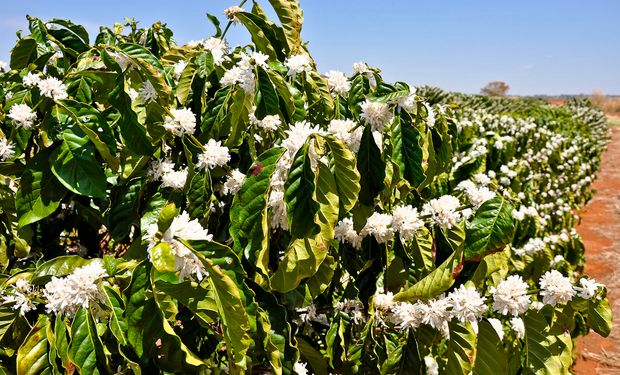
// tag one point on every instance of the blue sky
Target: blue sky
(536, 46)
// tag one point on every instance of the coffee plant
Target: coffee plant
(198, 208)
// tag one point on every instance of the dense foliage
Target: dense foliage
(196, 209)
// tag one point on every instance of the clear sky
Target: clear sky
(536, 46)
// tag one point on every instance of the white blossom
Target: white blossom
(344, 131)
(437, 314)
(182, 227)
(22, 115)
(361, 67)
(214, 155)
(218, 48)
(510, 296)
(53, 88)
(345, 232)
(256, 58)
(158, 168)
(379, 226)
(233, 183)
(3, 66)
(482, 179)
(182, 121)
(19, 296)
(175, 179)
(376, 114)
(432, 368)
(231, 12)
(467, 304)
(239, 76)
(300, 368)
(384, 301)
(406, 221)
(177, 69)
(337, 82)
(269, 123)
(297, 64)
(518, 327)
(67, 294)
(407, 315)
(7, 149)
(31, 79)
(443, 211)
(555, 288)
(588, 288)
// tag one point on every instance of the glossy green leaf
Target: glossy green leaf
(492, 228)
(32, 355)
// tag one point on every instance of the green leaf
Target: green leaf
(434, 283)
(403, 359)
(313, 356)
(124, 209)
(95, 126)
(347, 176)
(39, 193)
(194, 297)
(492, 228)
(406, 151)
(163, 258)
(199, 195)
(304, 256)
(260, 33)
(166, 217)
(248, 213)
(75, 166)
(543, 349)
(24, 53)
(291, 17)
(371, 166)
(185, 83)
(134, 312)
(491, 358)
(86, 349)
(117, 323)
(32, 355)
(268, 103)
(59, 266)
(421, 252)
(461, 349)
(600, 316)
(299, 186)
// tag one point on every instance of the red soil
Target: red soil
(600, 229)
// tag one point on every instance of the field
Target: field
(203, 209)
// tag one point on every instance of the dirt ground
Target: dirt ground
(600, 229)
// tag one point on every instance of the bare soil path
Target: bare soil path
(600, 229)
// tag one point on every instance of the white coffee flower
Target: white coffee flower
(239, 76)
(337, 82)
(67, 294)
(376, 114)
(31, 79)
(174, 179)
(22, 115)
(300, 368)
(182, 227)
(297, 64)
(344, 131)
(255, 58)
(19, 297)
(432, 368)
(269, 123)
(214, 155)
(406, 221)
(7, 149)
(177, 69)
(436, 313)
(467, 304)
(379, 226)
(443, 211)
(384, 301)
(361, 67)
(234, 182)
(218, 48)
(4, 66)
(588, 288)
(477, 196)
(518, 327)
(555, 288)
(231, 12)
(345, 232)
(406, 315)
(53, 88)
(158, 168)
(510, 297)
(182, 121)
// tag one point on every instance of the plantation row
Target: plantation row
(207, 209)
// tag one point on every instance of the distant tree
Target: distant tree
(495, 88)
